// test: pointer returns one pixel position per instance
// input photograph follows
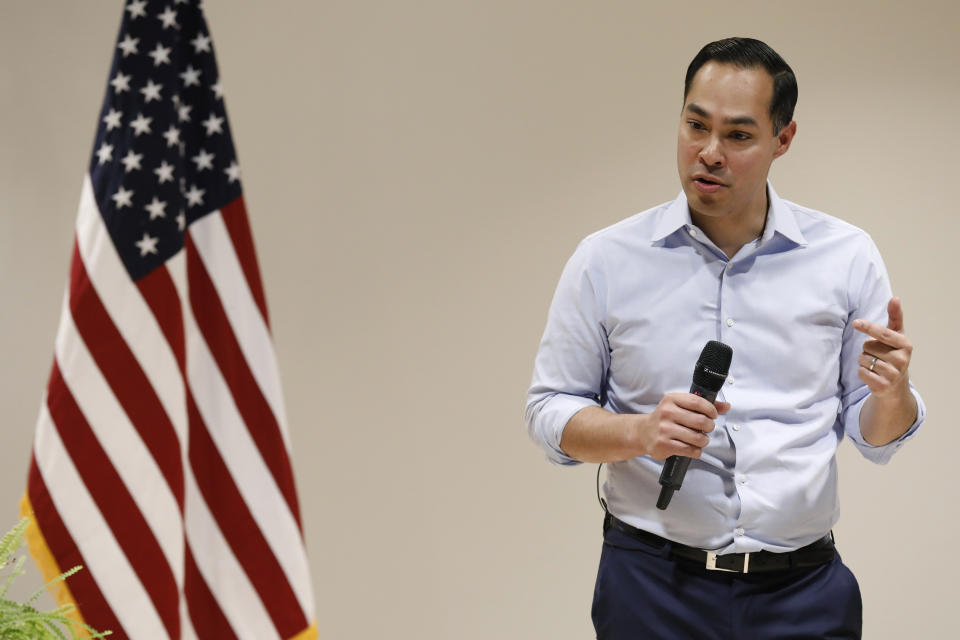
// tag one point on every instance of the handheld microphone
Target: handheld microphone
(708, 376)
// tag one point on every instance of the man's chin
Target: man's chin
(709, 204)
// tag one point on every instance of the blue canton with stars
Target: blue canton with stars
(163, 156)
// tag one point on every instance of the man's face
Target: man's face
(726, 142)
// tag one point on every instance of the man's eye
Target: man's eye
(694, 124)
(739, 135)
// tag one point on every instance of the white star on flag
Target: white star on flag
(160, 55)
(172, 135)
(194, 196)
(151, 91)
(131, 161)
(233, 171)
(183, 112)
(204, 160)
(168, 18)
(217, 88)
(191, 76)
(128, 45)
(123, 198)
(141, 124)
(120, 83)
(147, 244)
(213, 124)
(201, 43)
(137, 9)
(113, 119)
(164, 172)
(156, 208)
(104, 153)
(181, 221)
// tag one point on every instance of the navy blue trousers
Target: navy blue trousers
(642, 595)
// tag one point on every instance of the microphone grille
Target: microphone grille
(716, 357)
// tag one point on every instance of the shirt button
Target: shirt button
(730, 322)
(736, 427)
(693, 231)
(730, 380)
(742, 479)
(740, 531)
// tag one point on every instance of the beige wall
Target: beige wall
(417, 174)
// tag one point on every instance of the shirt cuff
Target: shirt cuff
(553, 419)
(880, 454)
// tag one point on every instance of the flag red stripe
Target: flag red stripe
(246, 393)
(96, 612)
(240, 529)
(125, 376)
(161, 296)
(114, 501)
(238, 226)
(160, 292)
(206, 615)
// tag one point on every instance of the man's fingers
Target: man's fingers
(694, 422)
(877, 348)
(895, 315)
(894, 324)
(722, 407)
(690, 437)
(697, 404)
(677, 448)
(874, 364)
(883, 334)
(677, 423)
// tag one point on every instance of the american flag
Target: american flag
(162, 461)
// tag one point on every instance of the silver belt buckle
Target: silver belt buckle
(712, 563)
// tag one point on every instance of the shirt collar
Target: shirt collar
(780, 219)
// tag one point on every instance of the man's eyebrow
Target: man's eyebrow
(697, 109)
(737, 121)
(741, 121)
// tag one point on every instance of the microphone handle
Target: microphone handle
(675, 467)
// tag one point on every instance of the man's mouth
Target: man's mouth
(707, 185)
(708, 181)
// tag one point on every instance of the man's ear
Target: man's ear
(784, 138)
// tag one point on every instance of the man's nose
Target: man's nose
(711, 154)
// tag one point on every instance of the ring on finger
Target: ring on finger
(873, 363)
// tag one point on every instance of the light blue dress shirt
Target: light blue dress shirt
(635, 305)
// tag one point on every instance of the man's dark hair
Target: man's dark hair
(747, 53)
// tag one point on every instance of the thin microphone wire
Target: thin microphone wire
(603, 503)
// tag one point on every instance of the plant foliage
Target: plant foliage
(22, 621)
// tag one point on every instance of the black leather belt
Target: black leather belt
(814, 554)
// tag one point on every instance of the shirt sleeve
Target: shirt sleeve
(573, 357)
(869, 295)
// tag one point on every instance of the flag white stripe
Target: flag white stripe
(247, 468)
(105, 561)
(217, 252)
(121, 442)
(223, 574)
(186, 626)
(129, 311)
(177, 269)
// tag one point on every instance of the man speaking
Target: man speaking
(803, 301)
